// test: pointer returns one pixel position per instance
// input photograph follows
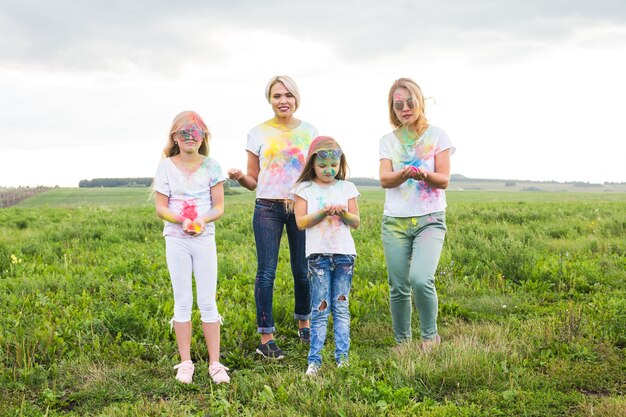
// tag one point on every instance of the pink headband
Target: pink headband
(314, 144)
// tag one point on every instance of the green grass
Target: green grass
(532, 290)
(96, 197)
(139, 196)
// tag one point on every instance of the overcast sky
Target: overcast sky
(526, 90)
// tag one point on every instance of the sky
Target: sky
(531, 90)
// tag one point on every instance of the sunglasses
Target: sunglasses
(191, 134)
(335, 153)
(399, 105)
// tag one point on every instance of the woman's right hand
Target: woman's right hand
(407, 172)
(235, 174)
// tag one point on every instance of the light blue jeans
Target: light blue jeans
(331, 281)
(412, 249)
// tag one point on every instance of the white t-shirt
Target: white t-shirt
(331, 235)
(189, 195)
(282, 155)
(414, 198)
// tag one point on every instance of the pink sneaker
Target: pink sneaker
(185, 372)
(218, 374)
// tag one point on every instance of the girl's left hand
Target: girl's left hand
(200, 222)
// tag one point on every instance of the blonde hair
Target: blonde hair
(181, 119)
(421, 123)
(318, 144)
(289, 84)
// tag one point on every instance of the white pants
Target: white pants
(197, 255)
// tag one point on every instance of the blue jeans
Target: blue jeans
(331, 281)
(268, 222)
(412, 249)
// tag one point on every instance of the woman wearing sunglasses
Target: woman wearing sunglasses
(189, 197)
(414, 170)
(276, 152)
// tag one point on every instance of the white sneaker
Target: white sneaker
(312, 370)
(218, 373)
(185, 372)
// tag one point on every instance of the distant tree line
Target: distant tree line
(133, 182)
(115, 182)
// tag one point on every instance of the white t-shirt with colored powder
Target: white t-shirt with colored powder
(282, 155)
(331, 235)
(189, 195)
(414, 198)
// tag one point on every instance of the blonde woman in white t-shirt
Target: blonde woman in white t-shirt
(415, 171)
(276, 151)
(189, 197)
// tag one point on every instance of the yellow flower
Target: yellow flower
(15, 260)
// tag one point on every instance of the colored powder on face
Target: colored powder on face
(330, 171)
(189, 210)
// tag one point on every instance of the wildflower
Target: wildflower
(15, 260)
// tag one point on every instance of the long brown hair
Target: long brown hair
(181, 119)
(318, 144)
(421, 123)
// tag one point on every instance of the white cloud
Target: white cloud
(525, 89)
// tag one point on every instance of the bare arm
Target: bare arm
(217, 203)
(161, 202)
(250, 179)
(351, 216)
(303, 220)
(440, 178)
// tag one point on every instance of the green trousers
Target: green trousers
(412, 249)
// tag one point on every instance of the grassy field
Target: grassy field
(532, 290)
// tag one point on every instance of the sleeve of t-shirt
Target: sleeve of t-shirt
(383, 149)
(314, 133)
(351, 190)
(252, 144)
(161, 182)
(217, 175)
(299, 190)
(444, 142)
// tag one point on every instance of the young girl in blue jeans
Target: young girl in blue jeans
(326, 207)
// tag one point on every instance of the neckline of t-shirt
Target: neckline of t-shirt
(289, 129)
(325, 188)
(206, 158)
(417, 139)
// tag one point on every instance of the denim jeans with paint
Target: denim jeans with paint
(412, 248)
(331, 281)
(269, 220)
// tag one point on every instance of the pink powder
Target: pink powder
(189, 210)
